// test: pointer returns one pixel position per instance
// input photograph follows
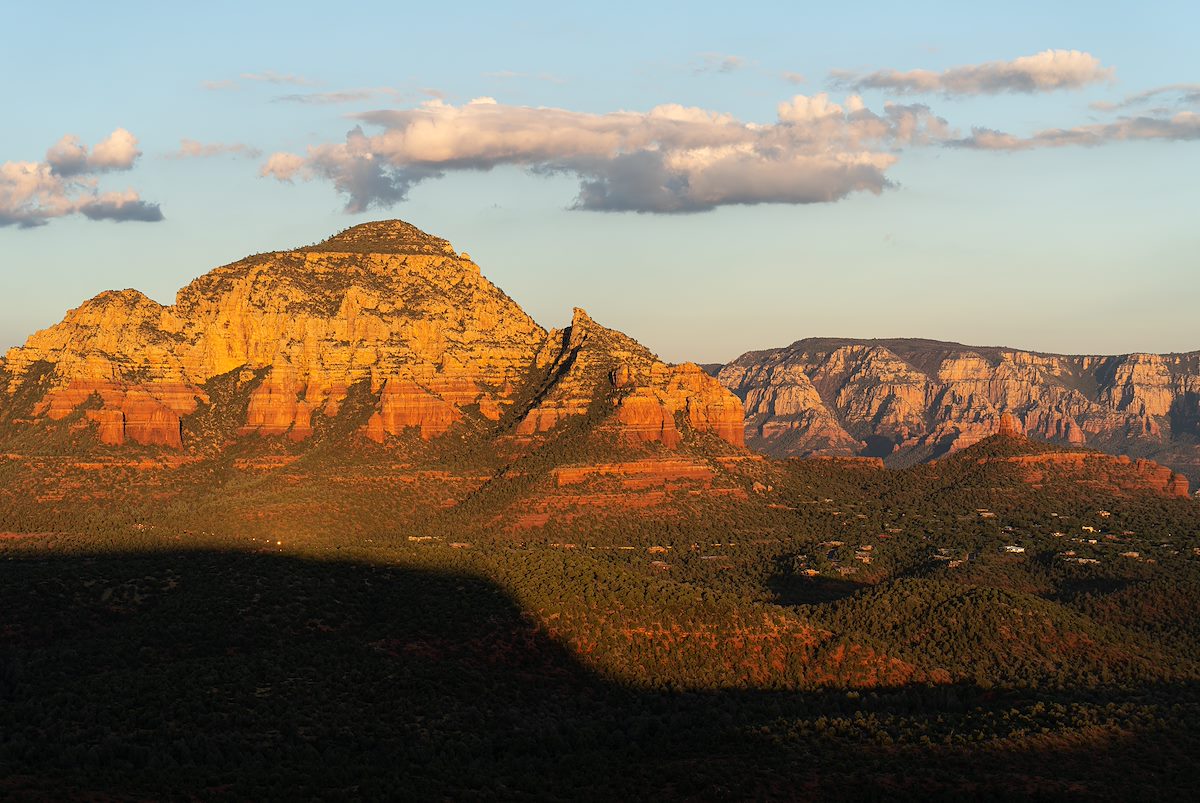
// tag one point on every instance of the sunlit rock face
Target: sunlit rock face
(382, 306)
(908, 400)
(654, 402)
(1118, 473)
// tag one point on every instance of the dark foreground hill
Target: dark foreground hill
(393, 673)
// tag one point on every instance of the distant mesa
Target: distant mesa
(912, 400)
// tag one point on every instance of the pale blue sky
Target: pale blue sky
(1073, 249)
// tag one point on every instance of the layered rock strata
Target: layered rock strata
(653, 401)
(382, 306)
(908, 400)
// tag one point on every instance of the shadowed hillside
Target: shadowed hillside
(250, 675)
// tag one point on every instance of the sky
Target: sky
(707, 181)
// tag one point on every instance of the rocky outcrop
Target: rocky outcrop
(404, 404)
(383, 304)
(1112, 472)
(1009, 427)
(641, 471)
(910, 400)
(591, 368)
(383, 307)
(149, 415)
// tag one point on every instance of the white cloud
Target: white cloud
(1043, 72)
(68, 156)
(117, 151)
(282, 166)
(33, 193)
(669, 159)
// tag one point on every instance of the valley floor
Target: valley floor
(283, 629)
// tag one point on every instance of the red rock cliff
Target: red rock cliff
(382, 306)
(907, 400)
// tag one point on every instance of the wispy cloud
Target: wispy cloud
(669, 159)
(793, 78)
(1184, 126)
(1043, 72)
(330, 97)
(1182, 94)
(342, 96)
(272, 77)
(65, 183)
(718, 63)
(193, 149)
(265, 77)
(511, 75)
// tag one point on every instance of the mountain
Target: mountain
(908, 400)
(379, 332)
(361, 382)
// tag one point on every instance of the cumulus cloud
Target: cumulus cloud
(1184, 126)
(118, 151)
(669, 159)
(282, 166)
(70, 157)
(1043, 72)
(33, 193)
(193, 149)
(120, 206)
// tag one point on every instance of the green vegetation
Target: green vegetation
(434, 619)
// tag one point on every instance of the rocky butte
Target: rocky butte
(383, 317)
(911, 400)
